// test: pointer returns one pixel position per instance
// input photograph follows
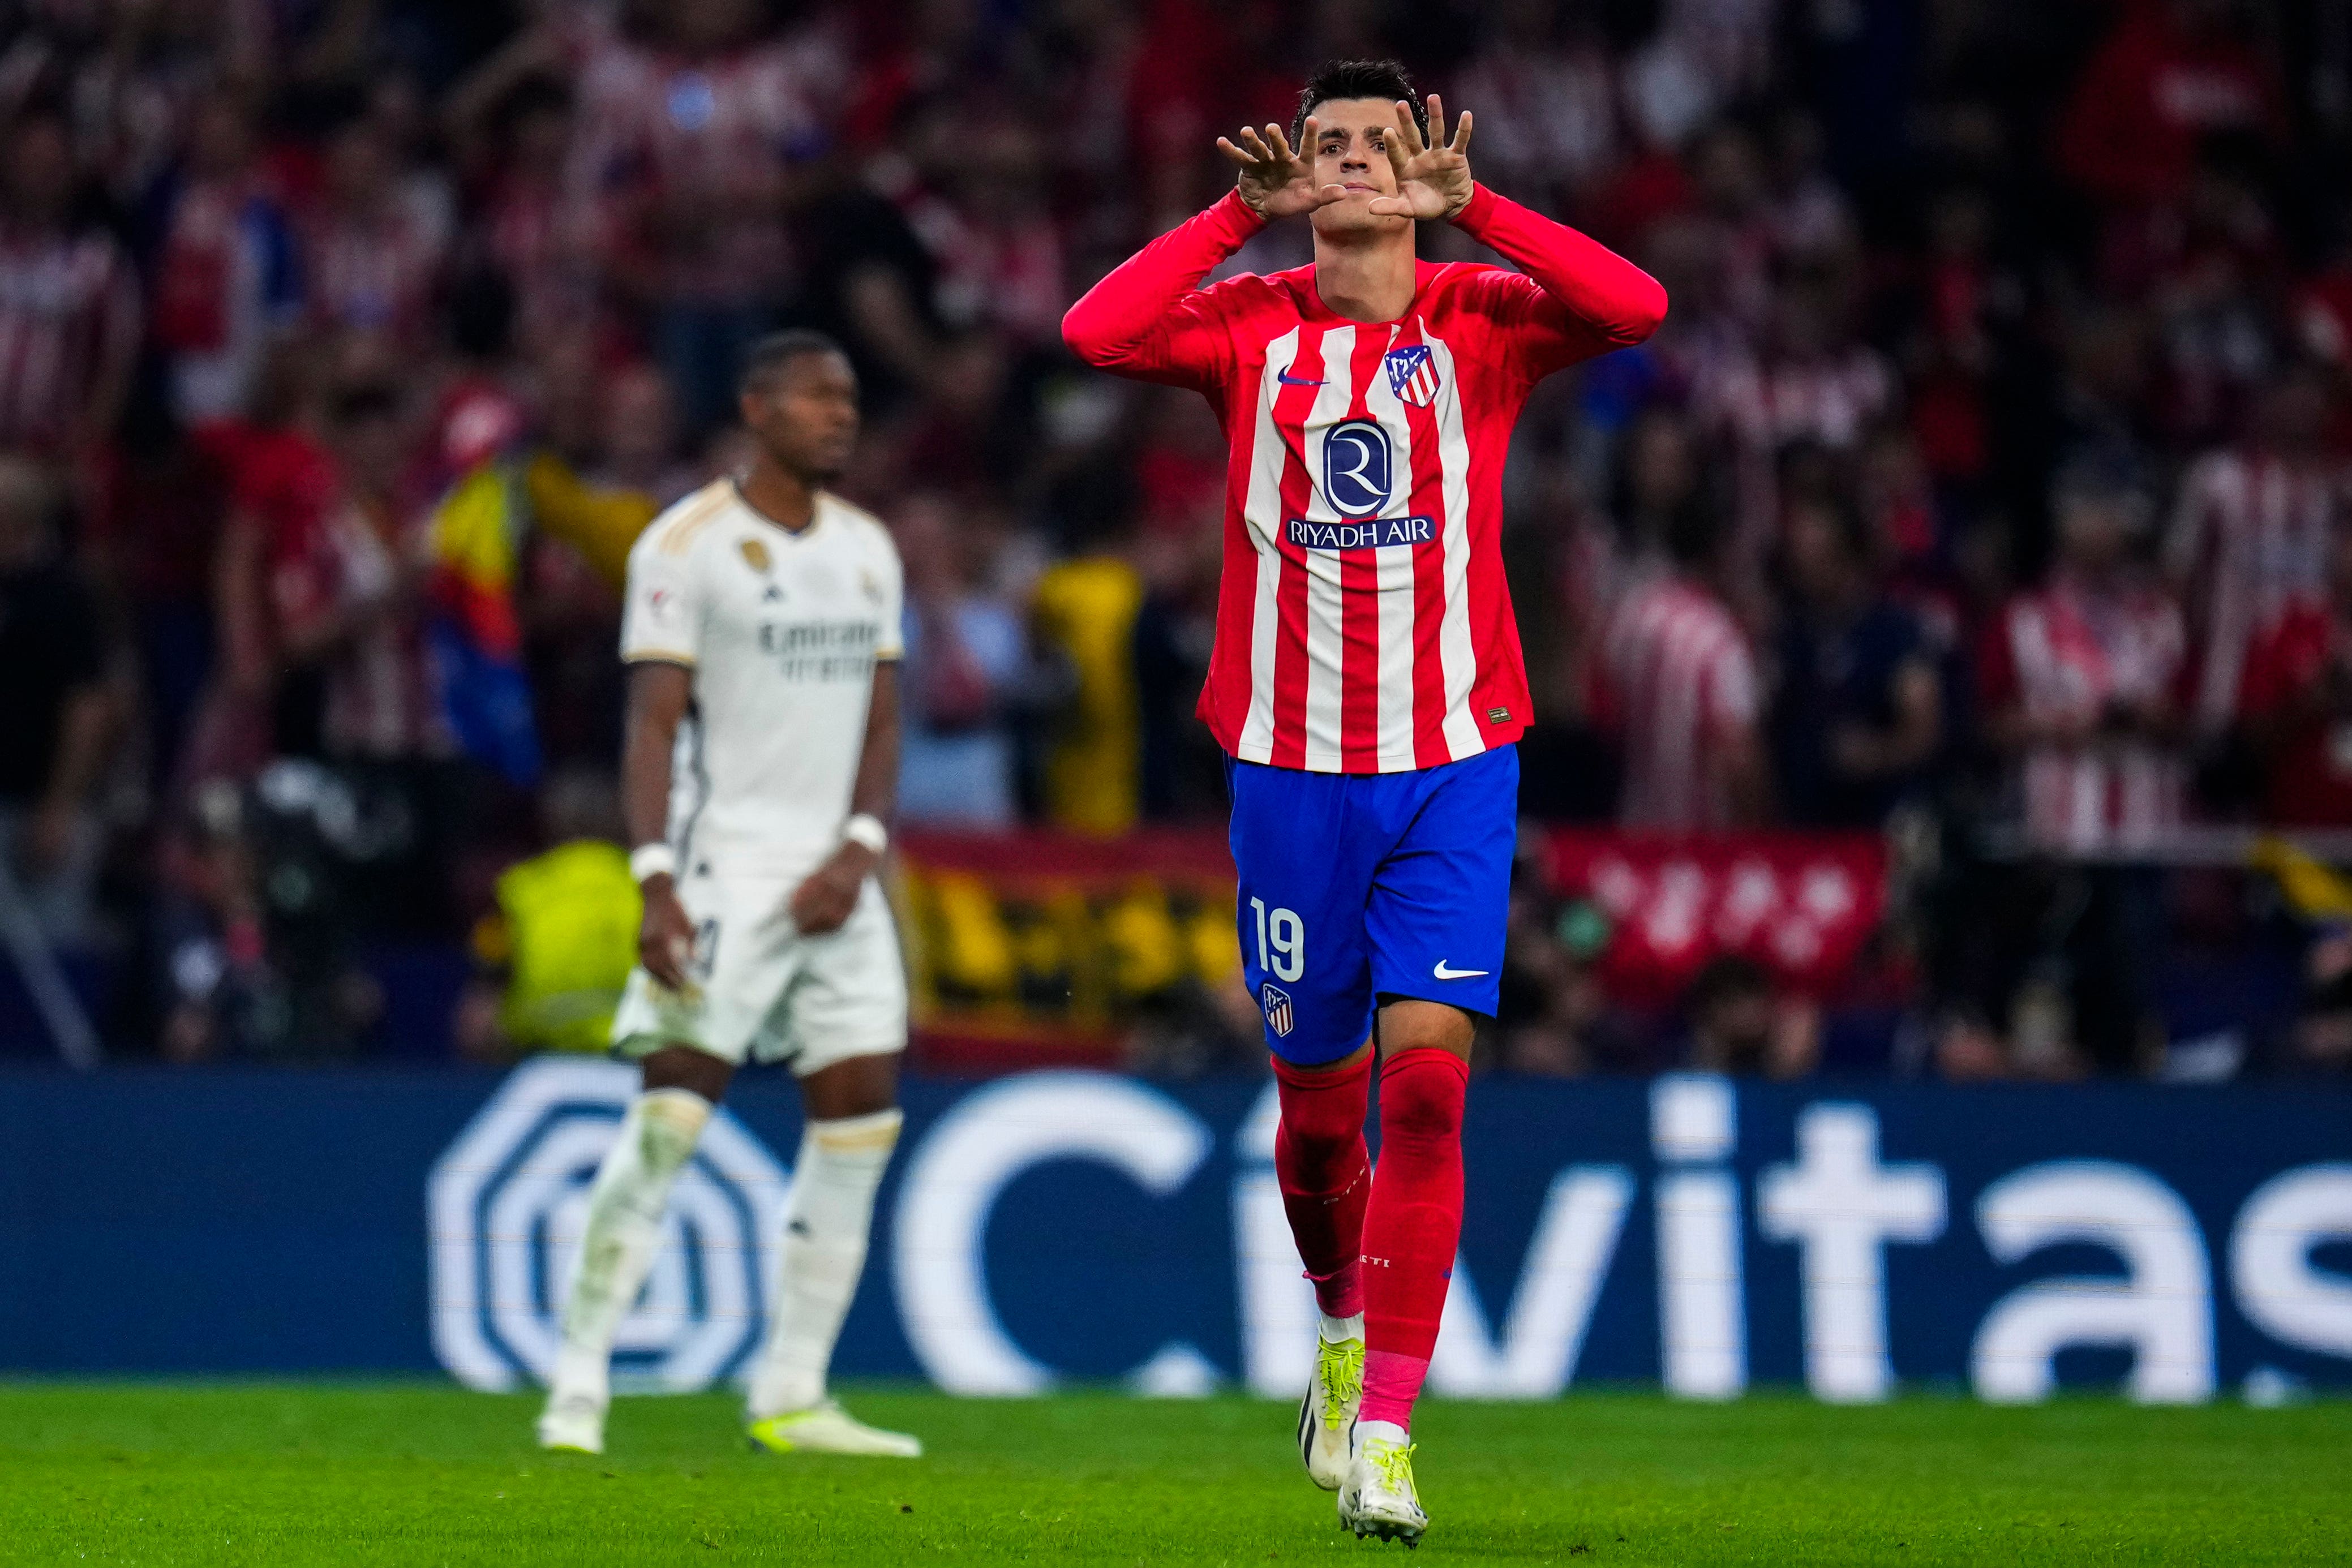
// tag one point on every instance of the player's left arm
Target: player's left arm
(830, 894)
(1577, 298)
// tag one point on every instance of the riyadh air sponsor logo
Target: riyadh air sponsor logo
(1307, 534)
(1412, 374)
(1278, 1016)
(506, 1206)
(1356, 468)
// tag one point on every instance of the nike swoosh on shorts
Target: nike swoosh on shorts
(1443, 973)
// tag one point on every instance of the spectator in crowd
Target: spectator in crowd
(69, 312)
(374, 249)
(1812, 383)
(965, 661)
(158, 504)
(2319, 1041)
(1554, 1019)
(1085, 615)
(2250, 535)
(2296, 700)
(2083, 680)
(359, 619)
(700, 132)
(1857, 712)
(551, 957)
(1685, 693)
(2170, 74)
(60, 704)
(1738, 1024)
(1550, 119)
(226, 275)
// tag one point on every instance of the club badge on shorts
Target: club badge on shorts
(1277, 1009)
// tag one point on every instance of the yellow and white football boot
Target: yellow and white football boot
(828, 1428)
(1378, 1498)
(1327, 1415)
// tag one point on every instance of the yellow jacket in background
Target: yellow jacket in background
(1086, 609)
(571, 919)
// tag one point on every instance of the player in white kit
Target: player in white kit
(760, 769)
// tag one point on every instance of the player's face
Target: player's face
(1352, 152)
(806, 416)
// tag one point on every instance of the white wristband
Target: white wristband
(867, 829)
(653, 860)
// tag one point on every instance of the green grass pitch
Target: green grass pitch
(418, 1473)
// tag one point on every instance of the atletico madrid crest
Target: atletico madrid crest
(1412, 374)
(1277, 1009)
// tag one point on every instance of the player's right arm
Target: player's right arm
(661, 640)
(1148, 318)
(659, 693)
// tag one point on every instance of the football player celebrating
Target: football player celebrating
(761, 632)
(1367, 683)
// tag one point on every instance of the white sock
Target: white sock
(1388, 1430)
(1335, 1329)
(624, 1211)
(832, 1209)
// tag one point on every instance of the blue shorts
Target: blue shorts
(1359, 885)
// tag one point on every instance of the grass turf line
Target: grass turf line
(419, 1473)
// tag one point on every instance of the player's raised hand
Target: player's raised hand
(1275, 182)
(1432, 180)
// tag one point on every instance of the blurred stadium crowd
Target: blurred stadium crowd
(1987, 488)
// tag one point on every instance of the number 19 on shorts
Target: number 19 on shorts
(1281, 941)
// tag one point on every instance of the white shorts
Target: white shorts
(763, 992)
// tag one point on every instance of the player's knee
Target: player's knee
(1320, 1137)
(671, 1123)
(1422, 1092)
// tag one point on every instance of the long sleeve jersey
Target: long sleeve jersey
(1363, 625)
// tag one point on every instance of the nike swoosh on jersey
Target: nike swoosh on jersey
(1287, 379)
(1443, 973)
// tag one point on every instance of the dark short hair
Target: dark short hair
(772, 353)
(1338, 79)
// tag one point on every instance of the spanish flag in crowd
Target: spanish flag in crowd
(474, 631)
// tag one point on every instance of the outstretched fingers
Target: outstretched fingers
(1406, 144)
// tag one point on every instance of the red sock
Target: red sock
(1412, 1226)
(1325, 1176)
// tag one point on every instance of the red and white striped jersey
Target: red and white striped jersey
(1683, 683)
(1363, 625)
(2072, 653)
(69, 311)
(2249, 538)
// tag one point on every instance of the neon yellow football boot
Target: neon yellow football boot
(828, 1428)
(1379, 1499)
(1328, 1413)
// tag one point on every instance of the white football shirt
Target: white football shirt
(782, 632)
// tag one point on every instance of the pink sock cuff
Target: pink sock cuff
(1392, 1383)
